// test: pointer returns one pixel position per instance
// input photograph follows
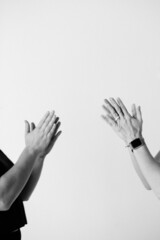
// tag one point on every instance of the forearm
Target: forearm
(138, 170)
(33, 179)
(149, 167)
(14, 180)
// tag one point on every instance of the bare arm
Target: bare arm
(123, 129)
(14, 180)
(33, 180)
(38, 166)
(138, 170)
(150, 168)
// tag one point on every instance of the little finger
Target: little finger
(109, 120)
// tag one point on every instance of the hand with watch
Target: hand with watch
(136, 143)
(127, 126)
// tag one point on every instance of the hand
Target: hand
(30, 128)
(127, 127)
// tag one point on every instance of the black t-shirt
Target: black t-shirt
(15, 217)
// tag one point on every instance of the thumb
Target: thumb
(139, 114)
(27, 127)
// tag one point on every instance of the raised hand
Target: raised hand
(127, 126)
(41, 139)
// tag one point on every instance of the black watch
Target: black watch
(136, 143)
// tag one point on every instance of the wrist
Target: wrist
(31, 151)
(129, 139)
(136, 143)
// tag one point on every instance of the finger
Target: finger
(56, 137)
(109, 120)
(117, 107)
(27, 127)
(139, 114)
(57, 119)
(50, 125)
(58, 124)
(106, 109)
(133, 110)
(50, 133)
(124, 109)
(108, 112)
(48, 120)
(33, 126)
(53, 140)
(43, 119)
(111, 109)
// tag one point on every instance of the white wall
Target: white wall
(69, 56)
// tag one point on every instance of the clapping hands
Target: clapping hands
(42, 138)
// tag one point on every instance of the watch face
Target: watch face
(136, 143)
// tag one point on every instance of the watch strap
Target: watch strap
(136, 143)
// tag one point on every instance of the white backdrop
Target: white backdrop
(69, 56)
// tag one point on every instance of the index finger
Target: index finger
(43, 119)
